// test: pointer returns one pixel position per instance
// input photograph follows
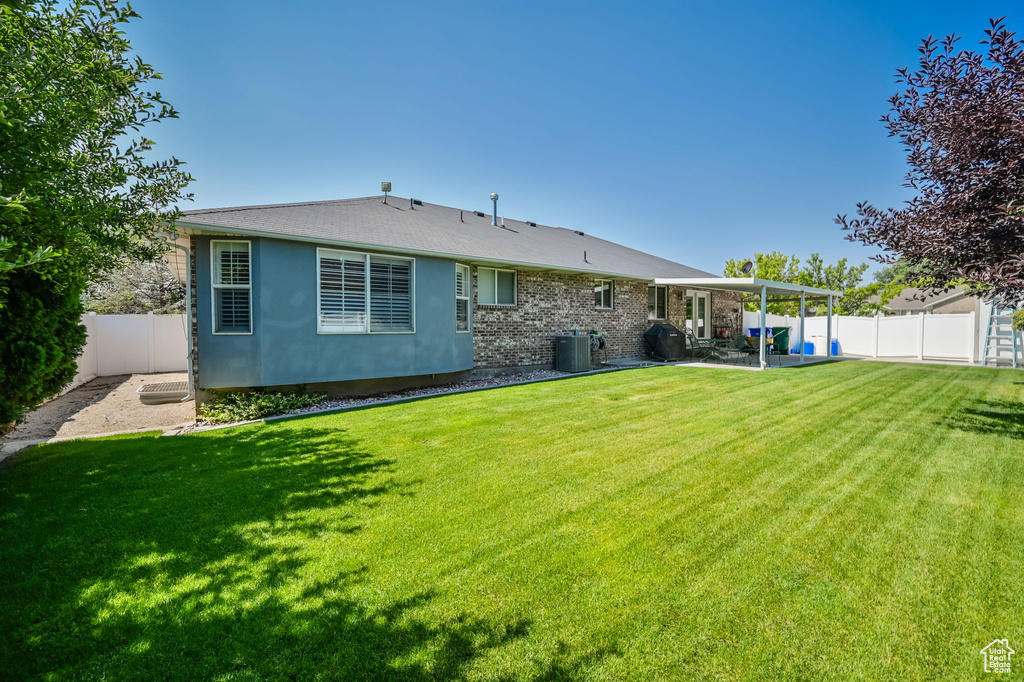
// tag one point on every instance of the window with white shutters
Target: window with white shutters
(231, 281)
(463, 287)
(390, 295)
(342, 291)
(362, 293)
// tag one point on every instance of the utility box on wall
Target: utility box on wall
(572, 353)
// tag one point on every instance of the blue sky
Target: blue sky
(696, 131)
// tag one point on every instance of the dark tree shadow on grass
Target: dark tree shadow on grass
(192, 558)
(993, 417)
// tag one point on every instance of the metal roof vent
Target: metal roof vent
(494, 219)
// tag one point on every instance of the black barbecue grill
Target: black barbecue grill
(665, 342)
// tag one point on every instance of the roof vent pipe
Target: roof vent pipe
(494, 219)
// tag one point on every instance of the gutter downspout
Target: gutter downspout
(188, 315)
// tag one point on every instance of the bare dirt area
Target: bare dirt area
(103, 405)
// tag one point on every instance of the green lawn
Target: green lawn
(852, 520)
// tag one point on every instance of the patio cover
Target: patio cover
(765, 288)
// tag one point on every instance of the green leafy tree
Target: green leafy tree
(897, 271)
(775, 266)
(79, 194)
(857, 299)
(136, 288)
(960, 118)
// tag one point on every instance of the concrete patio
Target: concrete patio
(781, 361)
(773, 362)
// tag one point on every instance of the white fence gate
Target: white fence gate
(132, 344)
(921, 336)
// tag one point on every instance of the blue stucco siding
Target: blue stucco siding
(285, 347)
(224, 361)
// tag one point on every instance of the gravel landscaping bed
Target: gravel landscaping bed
(359, 401)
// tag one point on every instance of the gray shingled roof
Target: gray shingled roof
(429, 228)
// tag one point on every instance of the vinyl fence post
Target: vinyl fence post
(874, 345)
(972, 338)
(152, 342)
(920, 340)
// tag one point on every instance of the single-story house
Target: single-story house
(359, 295)
(913, 301)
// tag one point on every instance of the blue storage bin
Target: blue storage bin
(835, 346)
(808, 349)
(756, 331)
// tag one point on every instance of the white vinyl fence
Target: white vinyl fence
(132, 344)
(921, 336)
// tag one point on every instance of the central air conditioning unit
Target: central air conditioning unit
(572, 353)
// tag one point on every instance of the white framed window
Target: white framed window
(463, 289)
(657, 303)
(604, 294)
(363, 293)
(495, 287)
(231, 286)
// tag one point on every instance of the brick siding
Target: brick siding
(727, 305)
(550, 304)
(726, 310)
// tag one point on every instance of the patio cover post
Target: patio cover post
(828, 340)
(803, 313)
(764, 314)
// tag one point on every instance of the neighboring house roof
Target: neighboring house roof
(919, 300)
(434, 230)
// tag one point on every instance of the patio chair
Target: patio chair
(754, 349)
(741, 349)
(703, 349)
